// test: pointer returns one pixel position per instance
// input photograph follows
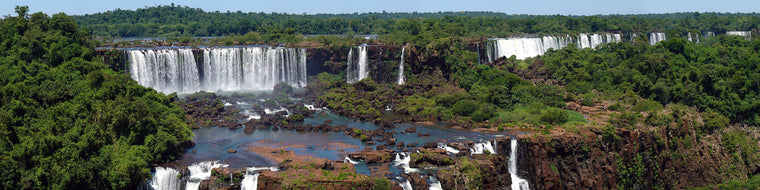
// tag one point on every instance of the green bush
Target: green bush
(465, 107)
(554, 116)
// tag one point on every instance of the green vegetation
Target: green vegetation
(70, 123)
(720, 77)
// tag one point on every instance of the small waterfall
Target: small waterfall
(448, 149)
(401, 68)
(517, 182)
(229, 69)
(405, 184)
(655, 37)
(251, 178)
(434, 183)
(403, 159)
(250, 181)
(348, 160)
(357, 65)
(201, 171)
(482, 147)
(165, 179)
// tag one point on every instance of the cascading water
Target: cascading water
(357, 65)
(401, 68)
(517, 182)
(251, 178)
(403, 159)
(482, 147)
(250, 182)
(405, 184)
(523, 48)
(201, 171)
(228, 69)
(655, 37)
(745, 34)
(434, 183)
(165, 179)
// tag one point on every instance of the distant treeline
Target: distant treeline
(175, 21)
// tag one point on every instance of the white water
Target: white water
(435, 184)
(357, 66)
(403, 159)
(523, 48)
(482, 147)
(405, 184)
(655, 37)
(401, 68)
(201, 171)
(227, 69)
(347, 159)
(250, 182)
(745, 34)
(517, 182)
(251, 178)
(165, 179)
(449, 150)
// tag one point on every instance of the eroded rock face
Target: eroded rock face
(675, 158)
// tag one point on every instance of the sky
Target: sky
(535, 7)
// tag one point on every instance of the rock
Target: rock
(400, 145)
(412, 145)
(373, 156)
(328, 121)
(430, 145)
(423, 134)
(417, 181)
(232, 151)
(411, 130)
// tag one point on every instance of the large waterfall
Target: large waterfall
(401, 68)
(357, 65)
(165, 179)
(227, 69)
(517, 182)
(655, 37)
(745, 34)
(523, 48)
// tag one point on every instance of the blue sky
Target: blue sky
(541, 7)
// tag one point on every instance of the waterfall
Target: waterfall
(201, 171)
(403, 159)
(405, 184)
(745, 34)
(449, 150)
(655, 37)
(357, 65)
(435, 184)
(517, 182)
(523, 48)
(401, 68)
(228, 69)
(165, 179)
(250, 181)
(251, 178)
(482, 147)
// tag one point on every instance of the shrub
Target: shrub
(465, 107)
(554, 116)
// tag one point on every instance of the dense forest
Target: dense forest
(173, 21)
(68, 122)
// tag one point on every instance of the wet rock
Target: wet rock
(412, 145)
(411, 130)
(232, 151)
(430, 145)
(328, 121)
(417, 181)
(400, 145)
(423, 134)
(373, 156)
